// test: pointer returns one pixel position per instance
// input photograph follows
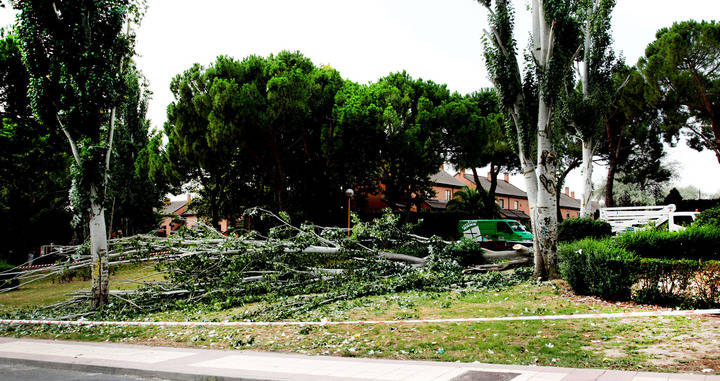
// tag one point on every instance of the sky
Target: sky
(437, 40)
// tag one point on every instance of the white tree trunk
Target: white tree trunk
(98, 251)
(545, 216)
(586, 171)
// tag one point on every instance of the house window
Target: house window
(568, 215)
(447, 195)
(502, 203)
(515, 204)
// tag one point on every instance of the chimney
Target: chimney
(489, 176)
(567, 191)
(462, 172)
(507, 177)
(442, 167)
(188, 199)
(572, 194)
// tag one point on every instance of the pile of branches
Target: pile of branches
(291, 270)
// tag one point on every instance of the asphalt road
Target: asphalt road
(22, 372)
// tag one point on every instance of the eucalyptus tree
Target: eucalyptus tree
(74, 52)
(589, 106)
(683, 68)
(554, 40)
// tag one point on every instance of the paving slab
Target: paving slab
(196, 364)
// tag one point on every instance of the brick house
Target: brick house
(444, 188)
(186, 216)
(513, 201)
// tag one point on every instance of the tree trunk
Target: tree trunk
(110, 222)
(477, 178)
(493, 180)
(544, 218)
(610, 182)
(586, 171)
(98, 251)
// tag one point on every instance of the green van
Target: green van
(495, 230)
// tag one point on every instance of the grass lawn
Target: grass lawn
(665, 344)
(49, 291)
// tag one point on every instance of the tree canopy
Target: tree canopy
(683, 67)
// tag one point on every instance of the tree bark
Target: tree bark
(545, 215)
(558, 188)
(493, 179)
(586, 173)
(98, 250)
(614, 144)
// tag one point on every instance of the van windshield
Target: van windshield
(516, 226)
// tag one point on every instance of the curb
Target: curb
(123, 371)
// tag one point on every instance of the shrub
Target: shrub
(648, 266)
(465, 252)
(695, 242)
(573, 229)
(686, 283)
(596, 267)
(709, 217)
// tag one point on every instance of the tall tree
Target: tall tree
(589, 105)
(683, 67)
(132, 194)
(74, 52)
(34, 167)
(411, 121)
(626, 124)
(255, 127)
(475, 136)
(555, 37)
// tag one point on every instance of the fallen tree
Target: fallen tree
(291, 269)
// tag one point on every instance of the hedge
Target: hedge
(573, 229)
(695, 242)
(647, 267)
(708, 217)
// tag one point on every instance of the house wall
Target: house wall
(440, 192)
(569, 213)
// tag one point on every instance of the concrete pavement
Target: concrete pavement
(197, 364)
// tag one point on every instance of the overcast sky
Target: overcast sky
(365, 40)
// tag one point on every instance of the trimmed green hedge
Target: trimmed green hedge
(595, 267)
(708, 217)
(647, 267)
(695, 242)
(574, 229)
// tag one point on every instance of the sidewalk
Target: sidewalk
(197, 364)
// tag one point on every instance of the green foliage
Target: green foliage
(34, 178)
(709, 217)
(412, 122)
(465, 252)
(253, 132)
(694, 242)
(593, 267)
(133, 192)
(574, 229)
(74, 52)
(679, 269)
(475, 133)
(681, 66)
(475, 202)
